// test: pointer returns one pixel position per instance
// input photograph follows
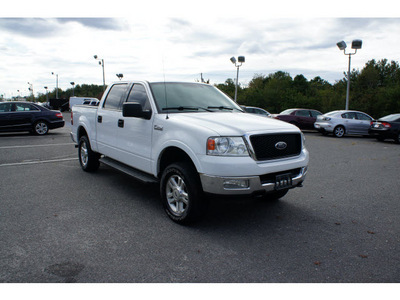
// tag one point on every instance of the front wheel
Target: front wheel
(181, 193)
(88, 159)
(40, 128)
(339, 131)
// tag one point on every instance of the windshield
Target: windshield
(190, 97)
(287, 112)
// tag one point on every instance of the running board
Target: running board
(142, 176)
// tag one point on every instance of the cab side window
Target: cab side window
(115, 96)
(138, 94)
(5, 107)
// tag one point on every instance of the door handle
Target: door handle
(121, 123)
(99, 119)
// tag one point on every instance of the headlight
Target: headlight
(303, 139)
(227, 146)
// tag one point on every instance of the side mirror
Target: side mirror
(135, 110)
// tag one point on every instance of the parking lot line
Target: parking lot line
(29, 146)
(37, 162)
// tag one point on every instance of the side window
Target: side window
(302, 113)
(5, 107)
(24, 107)
(138, 94)
(361, 116)
(114, 96)
(349, 115)
(315, 113)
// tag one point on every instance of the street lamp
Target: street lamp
(241, 61)
(73, 88)
(47, 94)
(31, 89)
(356, 44)
(101, 63)
(52, 73)
(120, 76)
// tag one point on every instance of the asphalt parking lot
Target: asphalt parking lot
(60, 224)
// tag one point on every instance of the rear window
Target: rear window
(391, 118)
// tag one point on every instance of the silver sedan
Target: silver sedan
(341, 122)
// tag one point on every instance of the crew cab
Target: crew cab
(191, 139)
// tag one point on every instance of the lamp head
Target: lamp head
(241, 59)
(95, 56)
(233, 59)
(342, 45)
(356, 44)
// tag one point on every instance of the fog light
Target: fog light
(236, 184)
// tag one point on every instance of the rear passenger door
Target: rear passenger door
(364, 122)
(107, 120)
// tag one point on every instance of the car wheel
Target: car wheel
(40, 128)
(397, 140)
(88, 159)
(276, 195)
(339, 131)
(181, 193)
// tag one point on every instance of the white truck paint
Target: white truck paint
(192, 139)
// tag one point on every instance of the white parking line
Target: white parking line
(37, 162)
(32, 146)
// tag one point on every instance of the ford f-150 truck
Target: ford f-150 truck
(193, 140)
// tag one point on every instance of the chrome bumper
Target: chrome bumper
(244, 185)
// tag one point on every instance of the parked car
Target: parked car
(387, 127)
(302, 118)
(25, 116)
(256, 110)
(341, 122)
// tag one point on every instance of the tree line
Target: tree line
(374, 90)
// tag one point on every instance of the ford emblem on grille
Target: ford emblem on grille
(280, 145)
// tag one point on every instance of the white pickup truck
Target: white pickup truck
(193, 140)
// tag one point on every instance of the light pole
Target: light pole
(31, 89)
(47, 94)
(356, 44)
(241, 61)
(73, 88)
(52, 73)
(101, 63)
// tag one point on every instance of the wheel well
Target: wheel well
(81, 132)
(171, 155)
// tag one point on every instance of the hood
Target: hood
(232, 124)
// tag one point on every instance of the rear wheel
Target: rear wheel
(40, 128)
(181, 193)
(339, 131)
(88, 159)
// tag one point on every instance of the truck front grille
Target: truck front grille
(266, 146)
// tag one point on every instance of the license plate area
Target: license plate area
(283, 181)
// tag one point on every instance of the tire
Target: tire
(276, 195)
(40, 128)
(181, 193)
(88, 159)
(339, 131)
(397, 139)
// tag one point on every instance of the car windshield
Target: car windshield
(391, 118)
(190, 97)
(287, 112)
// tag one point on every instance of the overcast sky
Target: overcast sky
(178, 40)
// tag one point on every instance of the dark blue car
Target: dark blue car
(25, 116)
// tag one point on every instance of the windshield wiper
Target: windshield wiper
(223, 108)
(184, 108)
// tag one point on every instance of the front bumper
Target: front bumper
(249, 184)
